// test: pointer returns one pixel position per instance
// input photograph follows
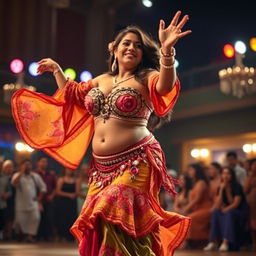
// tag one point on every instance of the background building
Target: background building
(76, 33)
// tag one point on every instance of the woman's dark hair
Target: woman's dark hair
(232, 153)
(233, 174)
(188, 184)
(217, 166)
(199, 172)
(150, 61)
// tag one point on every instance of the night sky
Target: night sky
(213, 24)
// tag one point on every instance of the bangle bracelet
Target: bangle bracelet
(56, 71)
(169, 58)
(166, 66)
(168, 55)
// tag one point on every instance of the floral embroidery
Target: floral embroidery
(131, 200)
(57, 125)
(26, 113)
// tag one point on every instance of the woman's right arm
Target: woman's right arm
(218, 202)
(50, 65)
(247, 184)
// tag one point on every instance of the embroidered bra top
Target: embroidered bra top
(121, 103)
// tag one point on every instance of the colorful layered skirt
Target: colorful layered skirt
(121, 215)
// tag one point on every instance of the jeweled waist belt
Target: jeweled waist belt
(105, 168)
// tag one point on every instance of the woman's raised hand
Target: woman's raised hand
(47, 64)
(170, 35)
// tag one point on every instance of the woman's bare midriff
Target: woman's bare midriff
(114, 135)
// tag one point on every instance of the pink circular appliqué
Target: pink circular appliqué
(126, 103)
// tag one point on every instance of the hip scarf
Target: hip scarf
(104, 169)
(122, 202)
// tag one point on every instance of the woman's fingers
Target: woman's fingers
(183, 22)
(175, 18)
(43, 68)
(182, 34)
(161, 25)
(42, 61)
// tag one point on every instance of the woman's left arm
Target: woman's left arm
(233, 205)
(168, 38)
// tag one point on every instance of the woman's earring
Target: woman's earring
(114, 65)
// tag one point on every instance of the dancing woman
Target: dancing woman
(121, 214)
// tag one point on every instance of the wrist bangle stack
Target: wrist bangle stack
(166, 66)
(168, 55)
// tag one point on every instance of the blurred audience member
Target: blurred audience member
(214, 171)
(66, 205)
(82, 186)
(8, 170)
(181, 199)
(169, 200)
(250, 190)
(30, 189)
(199, 205)
(234, 164)
(5, 193)
(45, 231)
(246, 165)
(228, 218)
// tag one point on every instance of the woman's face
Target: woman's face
(212, 171)
(129, 51)
(69, 172)
(191, 172)
(226, 175)
(182, 181)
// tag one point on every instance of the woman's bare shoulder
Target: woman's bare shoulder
(101, 78)
(201, 184)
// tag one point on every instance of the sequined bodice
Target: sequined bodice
(120, 103)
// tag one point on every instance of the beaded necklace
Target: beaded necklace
(115, 83)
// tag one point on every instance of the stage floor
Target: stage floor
(65, 249)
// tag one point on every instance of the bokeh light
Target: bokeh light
(176, 63)
(252, 43)
(229, 50)
(85, 76)
(33, 69)
(147, 3)
(22, 147)
(195, 153)
(240, 47)
(247, 148)
(204, 152)
(16, 66)
(19, 146)
(70, 73)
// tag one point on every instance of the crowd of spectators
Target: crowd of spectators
(221, 201)
(38, 205)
